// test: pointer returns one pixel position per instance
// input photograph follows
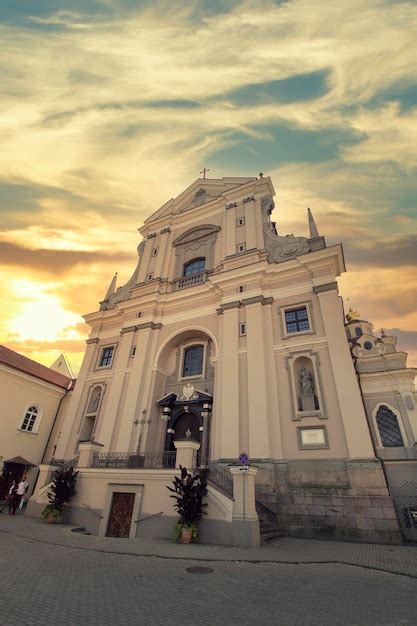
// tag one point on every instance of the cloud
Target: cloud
(54, 262)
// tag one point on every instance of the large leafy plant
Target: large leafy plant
(62, 490)
(189, 491)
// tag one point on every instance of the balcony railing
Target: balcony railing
(127, 460)
(190, 281)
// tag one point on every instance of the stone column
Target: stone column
(358, 439)
(106, 422)
(227, 406)
(66, 442)
(259, 436)
(230, 234)
(205, 437)
(245, 518)
(142, 362)
(87, 450)
(186, 453)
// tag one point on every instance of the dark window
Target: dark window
(368, 345)
(30, 419)
(358, 331)
(388, 428)
(297, 320)
(195, 266)
(106, 357)
(193, 361)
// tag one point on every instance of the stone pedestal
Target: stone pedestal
(87, 450)
(245, 518)
(186, 453)
(308, 402)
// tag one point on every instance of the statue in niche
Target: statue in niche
(306, 382)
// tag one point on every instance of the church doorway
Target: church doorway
(120, 518)
(187, 426)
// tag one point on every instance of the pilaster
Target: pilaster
(64, 449)
(353, 415)
(104, 429)
(227, 406)
(259, 436)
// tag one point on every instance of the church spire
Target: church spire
(112, 287)
(314, 233)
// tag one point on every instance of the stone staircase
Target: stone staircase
(268, 524)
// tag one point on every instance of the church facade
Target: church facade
(231, 336)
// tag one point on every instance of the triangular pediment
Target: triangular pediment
(201, 191)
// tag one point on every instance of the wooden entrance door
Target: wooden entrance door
(120, 518)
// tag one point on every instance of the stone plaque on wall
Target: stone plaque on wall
(314, 437)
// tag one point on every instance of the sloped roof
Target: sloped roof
(64, 366)
(22, 363)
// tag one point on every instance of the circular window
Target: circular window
(368, 345)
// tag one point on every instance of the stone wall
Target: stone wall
(344, 518)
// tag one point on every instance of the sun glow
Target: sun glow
(41, 316)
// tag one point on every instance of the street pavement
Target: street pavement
(49, 575)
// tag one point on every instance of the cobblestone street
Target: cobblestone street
(63, 584)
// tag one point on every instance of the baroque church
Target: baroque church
(229, 337)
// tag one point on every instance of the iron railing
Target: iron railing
(62, 463)
(127, 460)
(191, 280)
(220, 476)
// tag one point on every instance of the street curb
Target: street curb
(212, 560)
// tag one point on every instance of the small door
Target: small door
(120, 518)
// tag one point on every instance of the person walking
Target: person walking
(22, 488)
(10, 495)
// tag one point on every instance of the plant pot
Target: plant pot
(186, 534)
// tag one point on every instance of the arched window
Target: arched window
(94, 401)
(29, 420)
(193, 361)
(358, 331)
(195, 266)
(389, 429)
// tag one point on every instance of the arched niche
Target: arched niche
(304, 382)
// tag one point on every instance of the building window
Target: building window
(154, 251)
(240, 221)
(242, 329)
(133, 351)
(241, 247)
(106, 356)
(241, 288)
(358, 331)
(193, 361)
(195, 266)
(149, 276)
(368, 345)
(389, 429)
(29, 420)
(296, 320)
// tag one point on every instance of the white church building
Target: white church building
(229, 337)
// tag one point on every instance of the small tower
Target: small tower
(316, 241)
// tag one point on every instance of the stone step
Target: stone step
(273, 534)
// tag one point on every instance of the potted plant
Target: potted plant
(62, 490)
(188, 491)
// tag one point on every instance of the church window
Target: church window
(296, 320)
(241, 288)
(358, 331)
(133, 351)
(150, 276)
(193, 361)
(389, 429)
(29, 420)
(195, 266)
(241, 247)
(367, 345)
(242, 329)
(106, 356)
(154, 251)
(240, 221)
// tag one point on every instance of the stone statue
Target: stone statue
(352, 315)
(306, 382)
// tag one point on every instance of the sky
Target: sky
(108, 108)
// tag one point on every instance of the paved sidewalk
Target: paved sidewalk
(393, 559)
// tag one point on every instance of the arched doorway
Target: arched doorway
(186, 426)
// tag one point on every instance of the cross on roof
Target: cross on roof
(204, 170)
